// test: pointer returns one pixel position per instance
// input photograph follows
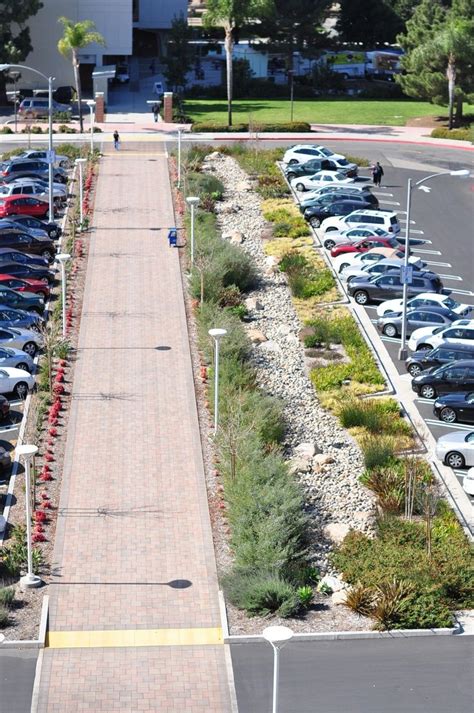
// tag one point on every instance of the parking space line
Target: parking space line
(390, 339)
(378, 193)
(438, 264)
(463, 292)
(455, 426)
(427, 251)
(389, 202)
(451, 277)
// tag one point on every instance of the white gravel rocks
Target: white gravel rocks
(332, 490)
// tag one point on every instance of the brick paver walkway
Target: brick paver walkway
(133, 513)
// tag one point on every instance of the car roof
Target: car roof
(432, 309)
(455, 347)
(375, 211)
(461, 362)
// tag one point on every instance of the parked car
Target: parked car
(15, 381)
(305, 152)
(42, 155)
(29, 187)
(385, 219)
(311, 167)
(379, 267)
(353, 188)
(316, 214)
(456, 449)
(359, 259)
(21, 300)
(14, 205)
(16, 358)
(19, 318)
(460, 331)
(37, 107)
(432, 358)
(27, 272)
(20, 241)
(360, 198)
(376, 289)
(354, 235)
(24, 339)
(39, 287)
(121, 74)
(10, 170)
(12, 255)
(445, 379)
(458, 406)
(13, 224)
(391, 323)
(321, 178)
(425, 300)
(364, 245)
(28, 223)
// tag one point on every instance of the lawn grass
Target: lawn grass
(320, 111)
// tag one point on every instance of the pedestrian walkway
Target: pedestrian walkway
(134, 617)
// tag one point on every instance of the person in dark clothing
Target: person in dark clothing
(116, 140)
(156, 111)
(377, 173)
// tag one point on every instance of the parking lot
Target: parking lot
(441, 215)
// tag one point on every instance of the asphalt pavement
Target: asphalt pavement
(17, 672)
(416, 675)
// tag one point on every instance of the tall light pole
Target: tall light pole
(406, 277)
(80, 162)
(14, 74)
(217, 335)
(192, 201)
(62, 258)
(91, 105)
(179, 158)
(50, 81)
(30, 579)
(291, 74)
(277, 636)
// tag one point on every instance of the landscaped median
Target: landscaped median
(46, 427)
(300, 499)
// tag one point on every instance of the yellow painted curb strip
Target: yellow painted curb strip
(133, 638)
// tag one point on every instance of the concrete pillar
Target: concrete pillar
(168, 108)
(99, 108)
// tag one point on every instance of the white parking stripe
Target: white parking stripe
(463, 292)
(7, 429)
(378, 193)
(455, 426)
(389, 202)
(424, 250)
(415, 231)
(438, 264)
(451, 277)
(390, 339)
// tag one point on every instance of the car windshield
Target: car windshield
(438, 330)
(449, 302)
(339, 176)
(343, 162)
(326, 152)
(392, 242)
(379, 231)
(470, 398)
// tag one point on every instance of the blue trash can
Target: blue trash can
(172, 237)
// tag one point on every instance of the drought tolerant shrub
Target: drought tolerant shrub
(304, 279)
(378, 450)
(4, 617)
(261, 593)
(458, 134)
(7, 597)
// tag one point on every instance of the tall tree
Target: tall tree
(369, 22)
(77, 35)
(178, 57)
(439, 46)
(294, 25)
(231, 15)
(15, 42)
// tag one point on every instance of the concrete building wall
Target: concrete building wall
(158, 14)
(113, 19)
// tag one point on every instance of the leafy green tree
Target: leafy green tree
(370, 22)
(178, 58)
(231, 15)
(294, 25)
(15, 42)
(439, 46)
(77, 35)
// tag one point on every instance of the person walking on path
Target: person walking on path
(156, 110)
(116, 140)
(377, 173)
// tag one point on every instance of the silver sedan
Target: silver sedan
(24, 339)
(16, 358)
(456, 449)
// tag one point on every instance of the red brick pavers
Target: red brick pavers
(133, 513)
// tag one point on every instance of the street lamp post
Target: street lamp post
(277, 636)
(62, 258)
(179, 158)
(30, 579)
(80, 162)
(14, 74)
(216, 334)
(403, 352)
(91, 105)
(192, 201)
(50, 80)
(291, 74)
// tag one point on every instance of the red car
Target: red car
(362, 246)
(20, 284)
(23, 205)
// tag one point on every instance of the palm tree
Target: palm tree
(76, 36)
(455, 44)
(231, 14)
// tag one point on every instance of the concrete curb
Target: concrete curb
(38, 643)
(348, 635)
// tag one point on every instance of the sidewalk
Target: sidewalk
(134, 617)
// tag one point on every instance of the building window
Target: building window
(136, 11)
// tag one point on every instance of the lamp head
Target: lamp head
(27, 450)
(4, 67)
(192, 200)
(217, 333)
(80, 161)
(90, 102)
(63, 257)
(277, 635)
(462, 172)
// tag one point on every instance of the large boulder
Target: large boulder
(334, 583)
(253, 303)
(336, 531)
(256, 336)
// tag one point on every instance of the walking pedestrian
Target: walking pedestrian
(156, 110)
(377, 173)
(116, 140)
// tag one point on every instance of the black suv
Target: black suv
(389, 286)
(28, 244)
(447, 379)
(432, 358)
(9, 170)
(316, 214)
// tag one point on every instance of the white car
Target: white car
(456, 449)
(378, 267)
(425, 299)
(15, 381)
(32, 188)
(385, 219)
(334, 188)
(459, 332)
(321, 178)
(353, 235)
(358, 259)
(305, 152)
(42, 155)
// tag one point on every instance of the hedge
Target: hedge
(458, 134)
(286, 127)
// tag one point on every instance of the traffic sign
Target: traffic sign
(50, 156)
(407, 274)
